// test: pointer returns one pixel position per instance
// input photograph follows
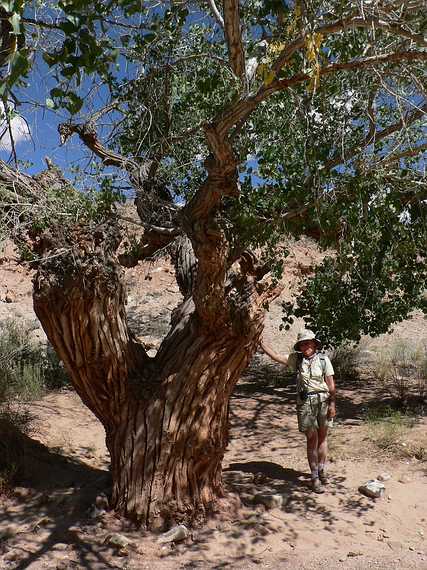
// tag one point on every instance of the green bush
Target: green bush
(15, 424)
(345, 360)
(27, 368)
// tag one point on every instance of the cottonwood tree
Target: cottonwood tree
(235, 124)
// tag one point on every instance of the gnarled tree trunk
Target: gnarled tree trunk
(165, 417)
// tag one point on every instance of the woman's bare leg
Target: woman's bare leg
(312, 452)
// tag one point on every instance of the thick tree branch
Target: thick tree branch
(89, 137)
(404, 154)
(233, 36)
(171, 232)
(150, 245)
(88, 325)
(19, 185)
(138, 172)
(343, 25)
(198, 218)
(241, 110)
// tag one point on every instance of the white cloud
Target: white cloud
(19, 128)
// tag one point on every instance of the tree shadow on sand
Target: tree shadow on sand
(51, 506)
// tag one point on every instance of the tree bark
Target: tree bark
(167, 455)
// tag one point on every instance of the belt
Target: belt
(317, 393)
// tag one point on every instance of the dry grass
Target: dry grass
(402, 370)
(27, 371)
(27, 368)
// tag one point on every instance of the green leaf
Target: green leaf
(7, 5)
(57, 92)
(20, 65)
(49, 58)
(68, 27)
(15, 21)
(75, 103)
(74, 19)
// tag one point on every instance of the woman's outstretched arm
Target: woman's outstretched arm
(282, 359)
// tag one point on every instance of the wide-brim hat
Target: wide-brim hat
(306, 335)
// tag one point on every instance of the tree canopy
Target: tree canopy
(320, 104)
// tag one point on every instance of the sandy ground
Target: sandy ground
(49, 521)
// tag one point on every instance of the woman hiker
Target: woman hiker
(315, 399)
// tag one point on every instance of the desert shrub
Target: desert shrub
(27, 368)
(15, 424)
(402, 369)
(387, 427)
(346, 360)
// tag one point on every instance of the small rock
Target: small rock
(352, 554)
(373, 489)
(11, 556)
(269, 501)
(10, 297)
(118, 540)
(240, 487)
(64, 565)
(238, 476)
(405, 478)
(60, 546)
(384, 477)
(352, 422)
(101, 501)
(22, 492)
(44, 521)
(95, 513)
(122, 552)
(175, 534)
(411, 548)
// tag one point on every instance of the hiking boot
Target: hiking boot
(316, 486)
(323, 477)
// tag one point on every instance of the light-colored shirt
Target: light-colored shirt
(311, 373)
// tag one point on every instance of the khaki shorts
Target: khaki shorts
(313, 412)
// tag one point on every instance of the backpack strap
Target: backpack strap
(323, 362)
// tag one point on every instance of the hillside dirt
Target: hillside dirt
(55, 519)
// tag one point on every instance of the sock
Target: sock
(321, 466)
(315, 473)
